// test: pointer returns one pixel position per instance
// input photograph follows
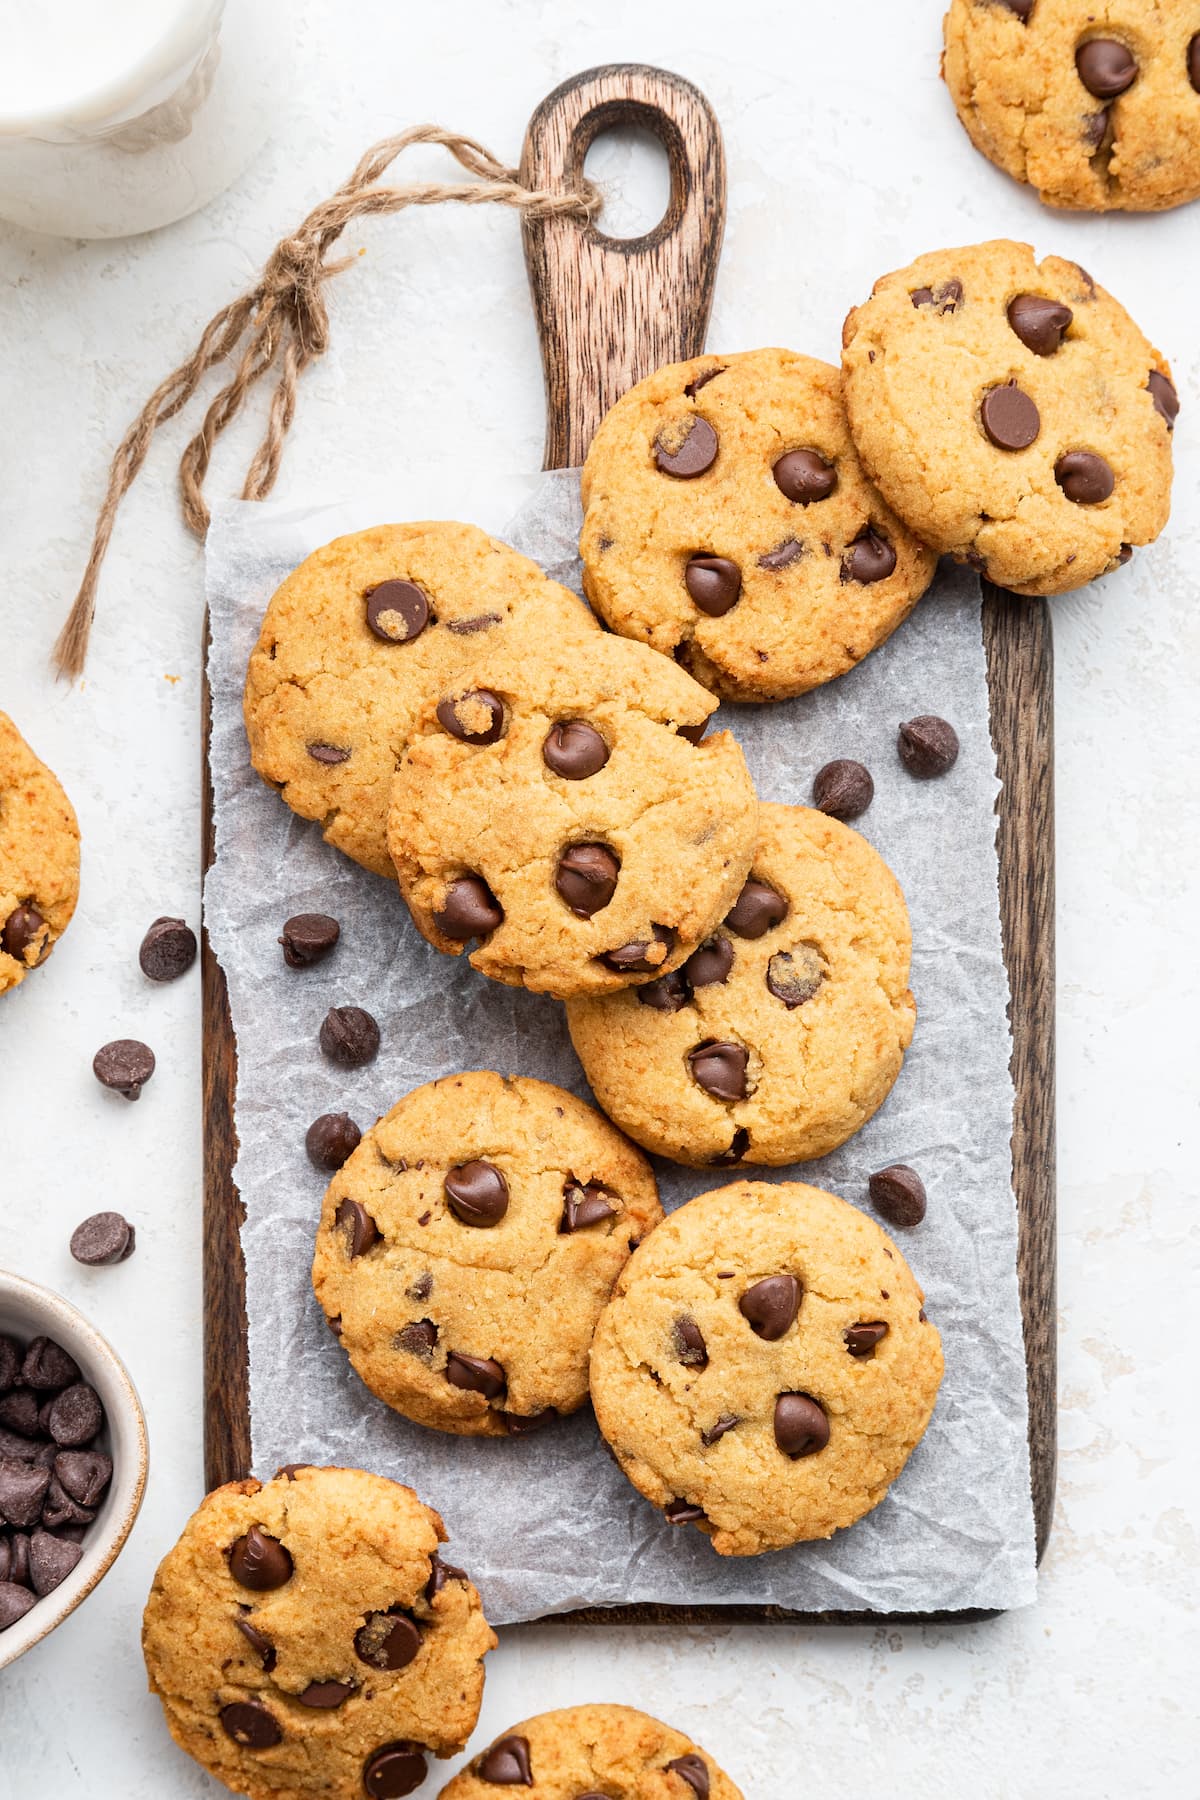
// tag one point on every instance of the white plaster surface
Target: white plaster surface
(828, 110)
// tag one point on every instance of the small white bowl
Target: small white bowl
(29, 1311)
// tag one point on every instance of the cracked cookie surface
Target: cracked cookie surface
(765, 1367)
(467, 1246)
(786, 1030)
(1013, 413)
(594, 1753)
(304, 1637)
(555, 812)
(776, 565)
(1095, 103)
(359, 637)
(39, 858)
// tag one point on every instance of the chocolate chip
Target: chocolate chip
(84, 1474)
(716, 1432)
(574, 749)
(308, 938)
(898, 1193)
(694, 1771)
(470, 910)
(794, 976)
(1163, 394)
(168, 950)
(1095, 128)
(738, 1147)
(801, 1428)
(640, 957)
(10, 1362)
(125, 1065)
(468, 627)
(669, 994)
(329, 754)
(783, 555)
(928, 746)
(477, 1193)
(586, 1204)
(397, 611)
(360, 1228)
(104, 1238)
(261, 1645)
(506, 1764)
(19, 1411)
(22, 928)
(335, 1325)
(1193, 62)
(1022, 8)
(51, 1560)
(23, 1487)
(711, 963)
(696, 453)
(1084, 477)
(387, 1640)
(720, 1069)
(1009, 417)
(395, 1770)
(330, 1139)
(1124, 555)
(250, 1725)
(702, 379)
(323, 1696)
(682, 1512)
(757, 909)
(422, 1287)
(418, 1337)
(59, 1510)
(868, 558)
(259, 1562)
(714, 583)
(476, 1375)
(524, 1424)
(771, 1305)
(349, 1036)
(944, 297)
(803, 476)
(690, 1347)
(862, 1340)
(843, 789)
(439, 1574)
(75, 1416)
(1040, 324)
(1105, 67)
(15, 1602)
(474, 718)
(46, 1366)
(586, 878)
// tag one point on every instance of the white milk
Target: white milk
(120, 115)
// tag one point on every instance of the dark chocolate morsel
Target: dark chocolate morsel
(843, 789)
(803, 476)
(395, 1770)
(258, 1641)
(125, 1065)
(771, 1305)
(47, 1366)
(1084, 477)
(694, 1771)
(477, 1193)
(397, 611)
(640, 957)
(720, 1069)
(869, 558)
(1039, 323)
(15, 1602)
(1105, 67)
(84, 1474)
(259, 1562)
(739, 1144)
(693, 456)
(801, 1427)
(308, 938)
(329, 754)
(250, 1725)
(717, 1431)
(757, 909)
(349, 1036)
(520, 1425)
(586, 1204)
(439, 1574)
(324, 1696)
(794, 976)
(23, 1488)
(387, 1640)
(669, 994)
(476, 1375)
(711, 963)
(928, 746)
(702, 379)
(22, 929)
(1163, 392)
(331, 1139)
(75, 1417)
(862, 1340)
(1022, 8)
(898, 1193)
(470, 910)
(474, 718)
(104, 1238)
(507, 1763)
(574, 750)
(1193, 62)
(586, 878)
(51, 1560)
(690, 1347)
(714, 583)
(360, 1229)
(418, 1337)
(783, 555)
(168, 950)
(1009, 417)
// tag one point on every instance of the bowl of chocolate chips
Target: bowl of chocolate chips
(73, 1458)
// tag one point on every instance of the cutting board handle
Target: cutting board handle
(612, 310)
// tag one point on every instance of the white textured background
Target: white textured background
(845, 160)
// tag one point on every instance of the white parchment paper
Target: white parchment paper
(548, 1523)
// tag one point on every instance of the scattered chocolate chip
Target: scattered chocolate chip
(387, 1640)
(397, 611)
(395, 1770)
(1084, 477)
(439, 1574)
(474, 718)
(22, 929)
(349, 1036)
(477, 1193)
(862, 1340)
(757, 909)
(944, 298)
(261, 1645)
(15, 1602)
(506, 1764)
(739, 1144)
(84, 1474)
(868, 558)
(250, 1725)
(1193, 62)
(771, 1305)
(76, 1415)
(574, 749)
(586, 1204)
(720, 1069)
(696, 453)
(1095, 128)
(470, 910)
(1009, 417)
(468, 627)
(1105, 67)
(259, 1562)
(308, 938)
(323, 1696)
(330, 1139)
(782, 556)
(716, 1432)
(803, 476)
(418, 1337)
(794, 976)
(801, 1428)
(168, 950)
(46, 1366)
(898, 1193)
(640, 957)
(682, 1512)
(928, 746)
(124, 1065)
(360, 1228)
(690, 1347)
(586, 878)
(476, 1375)
(669, 994)
(714, 583)
(1040, 324)
(843, 789)
(23, 1487)
(711, 963)
(702, 379)
(1164, 396)
(104, 1238)
(329, 754)
(694, 1771)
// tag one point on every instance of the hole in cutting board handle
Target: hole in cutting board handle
(630, 166)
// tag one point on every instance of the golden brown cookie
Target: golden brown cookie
(360, 637)
(729, 523)
(467, 1246)
(765, 1367)
(594, 1753)
(305, 1638)
(39, 858)
(559, 814)
(1095, 103)
(782, 1033)
(1012, 413)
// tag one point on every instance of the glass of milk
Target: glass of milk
(117, 116)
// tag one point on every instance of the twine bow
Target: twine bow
(282, 325)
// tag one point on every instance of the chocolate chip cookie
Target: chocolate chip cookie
(765, 1367)
(729, 523)
(359, 637)
(563, 818)
(467, 1246)
(785, 1030)
(305, 1637)
(590, 1753)
(1096, 105)
(1012, 413)
(39, 858)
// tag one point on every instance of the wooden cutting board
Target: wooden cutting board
(609, 312)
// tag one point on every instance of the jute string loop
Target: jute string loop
(280, 326)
